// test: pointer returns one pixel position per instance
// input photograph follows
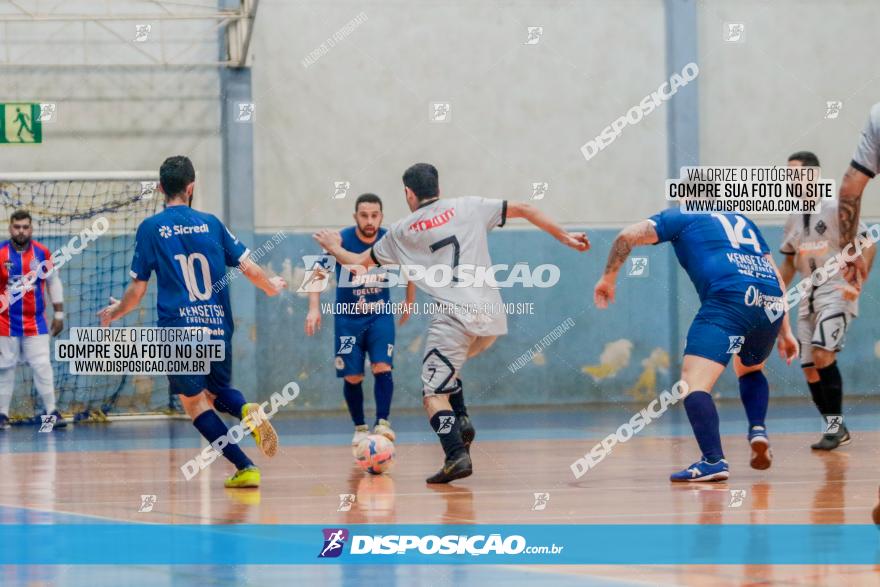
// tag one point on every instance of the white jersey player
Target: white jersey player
(25, 269)
(443, 246)
(826, 312)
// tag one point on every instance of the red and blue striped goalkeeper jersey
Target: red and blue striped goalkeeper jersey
(22, 315)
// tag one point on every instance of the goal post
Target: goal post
(62, 206)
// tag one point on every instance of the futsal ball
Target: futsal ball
(375, 454)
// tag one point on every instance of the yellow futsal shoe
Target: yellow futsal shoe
(262, 430)
(247, 477)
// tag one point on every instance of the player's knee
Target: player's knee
(353, 379)
(195, 405)
(811, 374)
(377, 368)
(742, 370)
(822, 357)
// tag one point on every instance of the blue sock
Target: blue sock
(383, 391)
(230, 401)
(704, 420)
(354, 399)
(754, 391)
(209, 424)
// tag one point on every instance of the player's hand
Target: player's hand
(850, 292)
(278, 285)
(57, 326)
(856, 271)
(603, 294)
(576, 240)
(788, 347)
(404, 313)
(106, 314)
(313, 322)
(329, 239)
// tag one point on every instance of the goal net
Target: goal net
(62, 206)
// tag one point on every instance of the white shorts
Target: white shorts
(447, 347)
(33, 350)
(825, 329)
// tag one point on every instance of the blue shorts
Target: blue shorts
(217, 381)
(356, 338)
(726, 326)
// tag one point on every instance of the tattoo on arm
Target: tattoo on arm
(620, 250)
(641, 233)
(848, 208)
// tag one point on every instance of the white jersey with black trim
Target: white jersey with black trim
(451, 233)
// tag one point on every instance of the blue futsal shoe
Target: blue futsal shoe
(762, 456)
(703, 471)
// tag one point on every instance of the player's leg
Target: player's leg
(231, 401)
(700, 375)
(806, 324)
(9, 352)
(754, 391)
(446, 349)
(193, 393)
(35, 350)
(708, 350)
(380, 346)
(828, 336)
(456, 399)
(349, 364)
(836, 432)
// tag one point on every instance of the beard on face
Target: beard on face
(367, 231)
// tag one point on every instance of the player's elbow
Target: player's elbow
(520, 210)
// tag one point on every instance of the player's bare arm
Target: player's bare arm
(575, 240)
(313, 318)
(271, 286)
(408, 303)
(852, 291)
(134, 293)
(331, 240)
(849, 206)
(636, 235)
(56, 293)
(788, 270)
(786, 342)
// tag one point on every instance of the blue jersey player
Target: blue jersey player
(189, 251)
(363, 324)
(741, 314)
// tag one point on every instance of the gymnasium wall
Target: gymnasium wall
(625, 353)
(112, 117)
(519, 113)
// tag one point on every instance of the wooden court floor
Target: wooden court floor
(303, 484)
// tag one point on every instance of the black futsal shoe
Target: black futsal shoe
(453, 469)
(832, 441)
(468, 432)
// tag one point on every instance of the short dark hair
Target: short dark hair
(369, 199)
(175, 174)
(423, 180)
(807, 158)
(20, 214)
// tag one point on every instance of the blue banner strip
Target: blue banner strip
(145, 544)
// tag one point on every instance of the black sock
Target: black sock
(445, 424)
(833, 386)
(817, 390)
(456, 400)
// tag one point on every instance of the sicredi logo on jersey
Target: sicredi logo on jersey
(178, 230)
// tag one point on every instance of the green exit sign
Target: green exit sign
(20, 123)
